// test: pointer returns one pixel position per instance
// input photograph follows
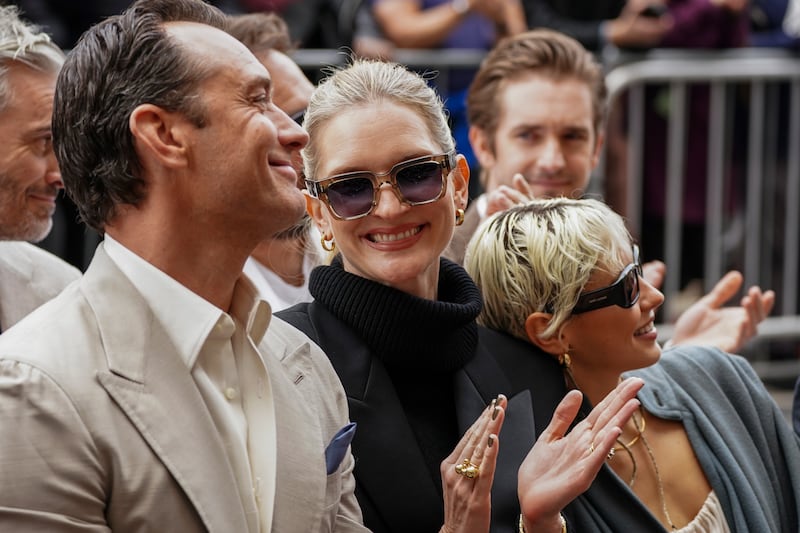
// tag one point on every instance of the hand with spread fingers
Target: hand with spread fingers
(468, 473)
(562, 465)
(707, 322)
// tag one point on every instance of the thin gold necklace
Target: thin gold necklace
(639, 431)
(659, 484)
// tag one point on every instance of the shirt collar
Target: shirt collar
(188, 319)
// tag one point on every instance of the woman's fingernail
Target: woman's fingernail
(496, 412)
(491, 441)
(493, 404)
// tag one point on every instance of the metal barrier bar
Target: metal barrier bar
(676, 161)
(716, 155)
(792, 235)
(635, 158)
(755, 182)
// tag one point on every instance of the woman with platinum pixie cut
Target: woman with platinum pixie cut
(386, 188)
(709, 450)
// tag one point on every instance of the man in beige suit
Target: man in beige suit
(29, 177)
(158, 393)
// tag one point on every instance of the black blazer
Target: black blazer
(393, 486)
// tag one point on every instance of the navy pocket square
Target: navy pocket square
(336, 450)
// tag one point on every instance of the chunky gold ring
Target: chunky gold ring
(591, 448)
(611, 453)
(467, 469)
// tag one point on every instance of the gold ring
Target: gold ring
(611, 453)
(467, 469)
(591, 448)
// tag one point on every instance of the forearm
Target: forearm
(408, 26)
(514, 20)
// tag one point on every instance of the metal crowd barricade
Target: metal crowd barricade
(769, 187)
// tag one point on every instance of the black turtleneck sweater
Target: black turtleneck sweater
(421, 343)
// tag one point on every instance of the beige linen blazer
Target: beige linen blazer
(103, 428)
(29, 276)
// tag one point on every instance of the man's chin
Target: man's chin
(30, 232)
(295, 231)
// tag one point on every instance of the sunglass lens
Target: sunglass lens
(631, 283)
(421, 182)
(351, 197)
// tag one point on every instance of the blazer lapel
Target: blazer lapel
(152, 385)
(480, 381)
(382, 426)
(301, 476)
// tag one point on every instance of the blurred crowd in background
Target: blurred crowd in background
(377, 28)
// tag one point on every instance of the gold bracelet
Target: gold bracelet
(521, 524)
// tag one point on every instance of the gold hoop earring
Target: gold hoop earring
(459, 216)
(566, 366)
(325, 246)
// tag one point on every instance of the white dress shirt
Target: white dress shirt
(220, 352)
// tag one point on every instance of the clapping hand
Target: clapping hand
(468, 473)
(562, 465)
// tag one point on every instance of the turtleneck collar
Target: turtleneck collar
(404, 331)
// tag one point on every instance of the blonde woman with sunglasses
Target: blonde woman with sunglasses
(708, 451)
(386, 187)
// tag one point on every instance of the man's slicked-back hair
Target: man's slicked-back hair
(23, 43)
(121, 63)
(261, 32)
(541, 52)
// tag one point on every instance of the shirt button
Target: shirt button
(230, 393)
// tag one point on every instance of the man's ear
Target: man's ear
(535, 324)
(481, 147)
(160, 135)
(598, 147)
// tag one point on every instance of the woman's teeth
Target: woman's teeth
(389, 237)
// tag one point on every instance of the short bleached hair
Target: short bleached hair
(539, 257)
